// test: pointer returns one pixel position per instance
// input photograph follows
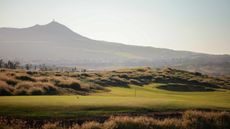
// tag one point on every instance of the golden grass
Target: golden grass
(189, 120)
(5, 89)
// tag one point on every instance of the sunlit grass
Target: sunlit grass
(147, 98)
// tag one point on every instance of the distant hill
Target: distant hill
(55, 44)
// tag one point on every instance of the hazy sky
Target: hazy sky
(194, 25)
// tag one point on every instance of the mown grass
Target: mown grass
(148, 98)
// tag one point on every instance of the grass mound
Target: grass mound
(21, 82)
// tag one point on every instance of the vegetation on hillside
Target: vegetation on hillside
(24, 82)
(124, 91)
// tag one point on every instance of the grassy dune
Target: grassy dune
(118, 100)
(22, 82)
(139, 90)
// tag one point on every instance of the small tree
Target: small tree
(28, 66)
(1, 63)
(16, 64)
(9, 64)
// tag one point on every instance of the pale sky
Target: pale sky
(193, 25)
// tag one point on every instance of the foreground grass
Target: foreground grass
(189, 120)
(119, 100)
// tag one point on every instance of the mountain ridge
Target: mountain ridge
(54, 43)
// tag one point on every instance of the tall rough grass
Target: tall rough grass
(202, 120)
(85, 83)
(35, 88)
(189, 120)
(5, 89)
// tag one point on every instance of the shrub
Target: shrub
(50, 90)
(135, 82)
(5, 89)
(69, 84)
(4, 92)
(45, 88)
(116, 81)
(24, 78)
(42, 79)
(98, 87)
(21, 92)
(11, 82)
(31, 72)
(125, 75)
(206, 120)
(35, 88)
(36, 91)
(24, 85)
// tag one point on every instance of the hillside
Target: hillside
(42, 95)
(21, 82)
(55, 44)
(62, 99)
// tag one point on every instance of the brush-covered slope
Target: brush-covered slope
(20, 82)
